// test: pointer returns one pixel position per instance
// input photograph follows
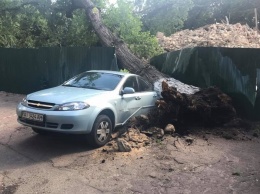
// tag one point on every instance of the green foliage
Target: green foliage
(40, 25)
(70, 28)
(22, 29)
(56, 24)
(8, 30)
(211, 11)
(124, 70)
(61, 23)
(166, 16)
(122, 21)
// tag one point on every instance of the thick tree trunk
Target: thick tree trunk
(124, 55)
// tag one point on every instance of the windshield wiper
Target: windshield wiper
(68, 85)
(91, 87)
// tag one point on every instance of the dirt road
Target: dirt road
(31, 163)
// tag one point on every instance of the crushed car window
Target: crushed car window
(95, 80)
(144, 86)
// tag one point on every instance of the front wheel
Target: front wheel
(101, 131)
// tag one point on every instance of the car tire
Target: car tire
(101, 131)
(39, 131)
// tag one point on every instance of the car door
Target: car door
(146, 95)
(129, 103)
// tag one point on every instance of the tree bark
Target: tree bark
(124, 55)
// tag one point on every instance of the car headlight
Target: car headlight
(72, 106)
(24, 101)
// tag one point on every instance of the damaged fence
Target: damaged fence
(236, 71)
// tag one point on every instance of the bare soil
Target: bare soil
(219, 160)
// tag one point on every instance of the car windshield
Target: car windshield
(95, 80)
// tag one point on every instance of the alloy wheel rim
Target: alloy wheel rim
(103, 131)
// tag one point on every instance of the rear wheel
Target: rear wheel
(101, 131)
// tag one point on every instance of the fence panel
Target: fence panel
(28, 70)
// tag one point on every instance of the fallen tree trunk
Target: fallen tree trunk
(208, 106)
(124, 55)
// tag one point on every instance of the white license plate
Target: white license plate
(33, 116)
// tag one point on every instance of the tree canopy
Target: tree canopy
(166, 16)
(60, 23)
(124, 23)
(41, 23)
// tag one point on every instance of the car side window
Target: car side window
(144, 86)
(132, 83)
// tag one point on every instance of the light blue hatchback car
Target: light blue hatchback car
(91, 103)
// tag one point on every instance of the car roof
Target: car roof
(113, 72)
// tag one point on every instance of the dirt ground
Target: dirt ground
(222, 160)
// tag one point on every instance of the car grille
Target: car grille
(40, 105)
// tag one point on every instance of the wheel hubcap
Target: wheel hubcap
(103, 131)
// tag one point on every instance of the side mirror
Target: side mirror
(127, 90)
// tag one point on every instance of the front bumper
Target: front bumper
(76, 122)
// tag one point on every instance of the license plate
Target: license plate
(33, 116)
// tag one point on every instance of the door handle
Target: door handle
(137, 98)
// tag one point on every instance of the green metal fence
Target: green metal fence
(27, 70)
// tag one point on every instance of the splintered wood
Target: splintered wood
(208, 106)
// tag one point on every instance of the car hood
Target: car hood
(63, 94)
